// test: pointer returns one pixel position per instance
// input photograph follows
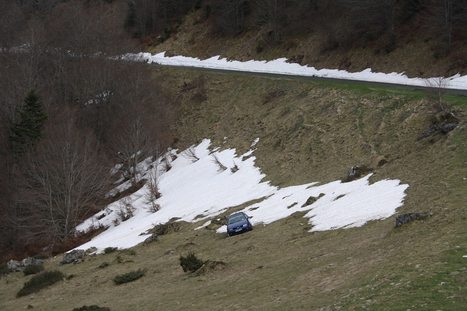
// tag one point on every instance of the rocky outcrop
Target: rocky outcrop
(18, 266)
(75, 256)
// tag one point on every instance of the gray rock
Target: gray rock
(312, 200)
(15, 266)
(75, 256)
(31, 261)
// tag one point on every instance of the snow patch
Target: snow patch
(282, 66)
(199, 191)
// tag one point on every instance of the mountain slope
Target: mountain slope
(309, 131)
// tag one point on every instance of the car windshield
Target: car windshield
(236, 218)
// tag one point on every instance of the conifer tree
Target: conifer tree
(28, 127)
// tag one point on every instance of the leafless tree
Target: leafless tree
(437, 87)
(190, 154)
(229, 16)
(61, 181)
(220, 167)
(133, 146)
(448, 20)
(271, 13)
(372, 17)
(153, 193)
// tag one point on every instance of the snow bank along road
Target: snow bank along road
(456, 83)
(198, 189)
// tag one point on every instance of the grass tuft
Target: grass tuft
(109, 250)
(91, 308)
(128, 277)
(190, 263)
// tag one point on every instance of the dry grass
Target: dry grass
(311, 133)
(411, 55)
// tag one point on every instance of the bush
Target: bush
(109, 250)
(91, 308)
(33, 269)
(190, 263)
(128, 277)
(166, 228)
(40, 281)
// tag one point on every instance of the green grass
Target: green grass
(456, 100)
(356, 87)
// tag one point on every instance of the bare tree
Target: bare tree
(134, 145)
(153, 193)
(190, 154)
(373, 16)
(448, 20)
(61, 181)
(271, 13)
(437, 87)
(229, 16)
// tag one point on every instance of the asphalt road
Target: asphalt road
(309, 78)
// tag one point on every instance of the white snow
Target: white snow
(199, 191)
(282, 66)
(255, 142)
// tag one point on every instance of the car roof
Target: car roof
(237, 214)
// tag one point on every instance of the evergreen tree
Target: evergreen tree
(28, 126)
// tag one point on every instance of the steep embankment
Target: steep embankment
(309, 131)
(415, 48)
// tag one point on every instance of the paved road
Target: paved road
(304, 78)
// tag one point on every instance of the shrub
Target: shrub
(128, 277)
(126, 210)
(190, 263)
(40, 281)
(4, 269)
(166, 228)
(33, 269)
(104, 265)
(109, 250)
(91, 308)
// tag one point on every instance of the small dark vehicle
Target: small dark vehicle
(238, 223)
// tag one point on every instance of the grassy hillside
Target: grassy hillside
(309, 130)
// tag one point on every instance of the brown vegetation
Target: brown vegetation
(92, 113)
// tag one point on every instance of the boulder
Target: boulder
(14, 266)
(357, 172)
(75, 256)
(18, 266)
(379, 161)
(31, 261)
(312, 200)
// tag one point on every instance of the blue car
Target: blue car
(238, 223)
